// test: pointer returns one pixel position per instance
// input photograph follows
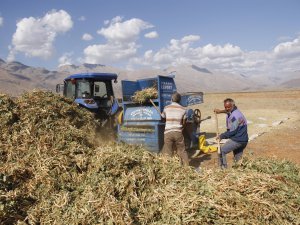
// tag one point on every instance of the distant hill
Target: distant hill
(15, 78)
(290, 80)
(294, 83)
(203, 70)
(84, 68)
(190, 79)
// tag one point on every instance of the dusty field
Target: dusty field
(274, 124)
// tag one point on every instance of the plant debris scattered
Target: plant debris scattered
(144, 95)
(54, 170)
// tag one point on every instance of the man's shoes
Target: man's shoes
(222, 167)
(197, 152)
(198, 169)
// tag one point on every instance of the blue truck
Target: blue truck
(142, 123)
(139, 124)
(93, 91)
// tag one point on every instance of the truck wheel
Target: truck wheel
(197, 115)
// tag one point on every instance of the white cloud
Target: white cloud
(285, 57)
(1, 21)
(163, 58)
(122, 46)
(148, 54)
(82, 18)
(58, 21)
(217, 51)
(183, 44)
(121, 39)
(35, 36)
(227, 58)
(87, 37)
(151, 35)
(190, 38)
(66, 59)
(127, 31)
(288, 49)
(182, 52)
(109, 53)
(114, 20)
(11, 54)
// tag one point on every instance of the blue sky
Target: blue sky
(237, 36)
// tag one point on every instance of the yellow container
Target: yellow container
(202, 141)
(203, 148)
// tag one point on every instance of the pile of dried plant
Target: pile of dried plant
(8, 115)
(42, 135)
(52, 172)
(144, 95)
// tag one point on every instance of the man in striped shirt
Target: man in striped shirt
(175, 115)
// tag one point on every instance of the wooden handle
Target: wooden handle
(157, 109)
(218, 133)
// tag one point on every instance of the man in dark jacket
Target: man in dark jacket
(237, 132)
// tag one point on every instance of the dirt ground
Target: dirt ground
(273, 124)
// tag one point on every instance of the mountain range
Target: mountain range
(15, 78)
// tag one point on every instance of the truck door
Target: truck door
(100, 89)
(69, 89)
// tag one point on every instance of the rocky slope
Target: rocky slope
(15, 78)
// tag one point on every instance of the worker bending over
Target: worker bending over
(237, 132)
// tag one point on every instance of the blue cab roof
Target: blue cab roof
(96, 76)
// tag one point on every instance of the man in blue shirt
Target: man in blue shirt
(237, 132)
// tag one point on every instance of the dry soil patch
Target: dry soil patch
(274, 123)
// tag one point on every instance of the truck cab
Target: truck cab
(93, 91)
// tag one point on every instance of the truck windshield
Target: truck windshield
(83, 89)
